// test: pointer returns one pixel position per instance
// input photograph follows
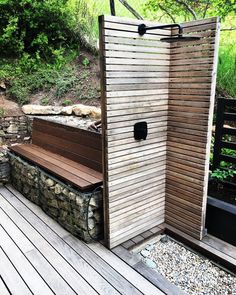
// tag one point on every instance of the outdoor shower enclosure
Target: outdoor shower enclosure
(169, 90)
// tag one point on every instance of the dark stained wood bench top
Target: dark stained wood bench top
(69, 153)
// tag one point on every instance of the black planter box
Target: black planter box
(221, 220)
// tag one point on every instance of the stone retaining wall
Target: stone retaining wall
(14, 130)
(4, 167)
(80, 213)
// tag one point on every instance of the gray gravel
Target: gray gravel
(189, 271)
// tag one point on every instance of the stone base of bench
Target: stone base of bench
(80, 213)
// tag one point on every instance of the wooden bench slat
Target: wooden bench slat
(73, 151)
(83, 168)
(69, 133)
(49, 166)
(61, 163)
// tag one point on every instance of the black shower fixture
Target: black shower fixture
(142, 29)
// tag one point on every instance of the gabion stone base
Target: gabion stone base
(4, 167)
(80, 213)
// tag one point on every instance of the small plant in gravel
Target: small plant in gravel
(86, 62)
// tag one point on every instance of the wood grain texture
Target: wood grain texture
(135, 88)
(189, 127)
(58, 251)
(171, 87)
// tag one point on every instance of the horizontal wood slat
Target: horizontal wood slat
(169, 86)
(191, 100)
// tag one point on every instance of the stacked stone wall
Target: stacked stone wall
(80, 213)
(14, 130)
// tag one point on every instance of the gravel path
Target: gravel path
(192, 273)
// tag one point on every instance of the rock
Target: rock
(67, 110)
(58, 189)
(150, 263)
(149, 247)
(86, 111)
(79, 201)
(164, 239)
(145, 253)
(91, 223)
(41, 110)
(49, 182)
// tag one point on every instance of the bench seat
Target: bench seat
(65, 152)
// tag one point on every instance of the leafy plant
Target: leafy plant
(86, 62)
(220, 174)
(38, 27)
(66, 102)
(44, 101)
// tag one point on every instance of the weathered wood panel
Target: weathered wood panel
(191, 100)
(171, 87)
(135, 87)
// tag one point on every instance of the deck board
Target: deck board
(60, 263)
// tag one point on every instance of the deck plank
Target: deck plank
(11, 277)
(52, 240)
(114, 265)
(36, 284)
(39, 262)
(3, 288)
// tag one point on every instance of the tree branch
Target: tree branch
(134, 12)
(188, 8)
(206, 8)
(167, 12)
(229, 29)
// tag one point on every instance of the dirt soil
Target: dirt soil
(9, 107)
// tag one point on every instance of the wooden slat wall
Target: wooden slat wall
(134, 88)
(191, 100)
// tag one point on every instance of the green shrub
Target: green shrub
(66, 102)
(44, 101)
(220, 174)
(38, 27)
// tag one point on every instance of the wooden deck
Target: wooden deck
(39, 257)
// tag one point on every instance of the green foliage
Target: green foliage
(38, 27)
(2, 112)
(220, 174)
(177, 11)
(44, 101)
(65, 81)
(86, 62)
(226, 76)
(66, 102)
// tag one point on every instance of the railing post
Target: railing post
(218, 132)
(112, 7)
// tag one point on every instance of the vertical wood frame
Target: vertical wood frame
(165, 177)
(192, 85)
(135, 88)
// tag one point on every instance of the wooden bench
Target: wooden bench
(74, 155)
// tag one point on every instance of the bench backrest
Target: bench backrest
(82, 146)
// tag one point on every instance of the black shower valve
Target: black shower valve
(140, 131)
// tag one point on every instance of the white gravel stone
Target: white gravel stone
(145, 253)
(194, 274)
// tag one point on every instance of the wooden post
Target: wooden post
(218, 133)
(112, 6)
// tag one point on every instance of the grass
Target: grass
(226, 76)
